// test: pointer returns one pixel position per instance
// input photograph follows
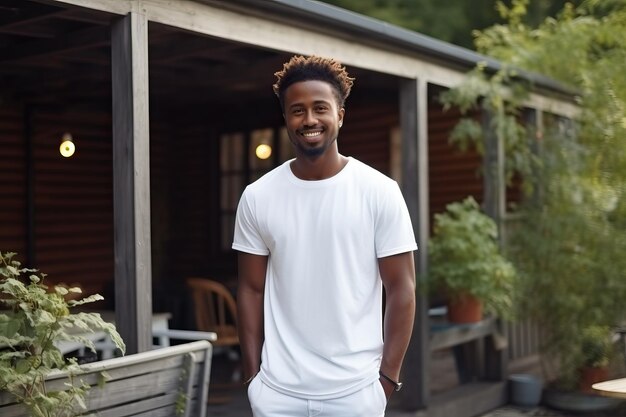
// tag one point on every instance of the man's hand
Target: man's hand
(387, 387)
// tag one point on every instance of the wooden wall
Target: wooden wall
(366, 134)
(453, 174)
(73, 219)
(12, 183)
(73, 200)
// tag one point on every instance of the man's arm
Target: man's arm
(398, 276)
(250, 290)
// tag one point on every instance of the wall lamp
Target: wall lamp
(67, 147)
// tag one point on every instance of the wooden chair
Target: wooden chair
(215, 310)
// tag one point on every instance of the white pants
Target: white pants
(267, 402)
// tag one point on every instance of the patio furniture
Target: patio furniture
(477, 347)
(160, 332)
(216, 311)
(615, 388)
(153, 383)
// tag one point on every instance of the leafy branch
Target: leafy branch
(32, 319)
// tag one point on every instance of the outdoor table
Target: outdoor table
(615, 388)
(160, 330)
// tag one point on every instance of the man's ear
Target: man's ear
(341, 113)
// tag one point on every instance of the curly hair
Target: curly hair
(300, 68)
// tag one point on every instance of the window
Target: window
(243, 162)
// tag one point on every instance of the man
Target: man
(318, 237)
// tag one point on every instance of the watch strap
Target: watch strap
(397, 385)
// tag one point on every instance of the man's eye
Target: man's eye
(321, 109)
(296, 111)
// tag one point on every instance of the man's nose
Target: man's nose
(310, 119)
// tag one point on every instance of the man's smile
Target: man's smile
(312, 134)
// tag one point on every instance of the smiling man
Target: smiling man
(318, 239)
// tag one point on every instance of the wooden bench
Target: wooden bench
(479, 351)
(471, 344)
(144, 384)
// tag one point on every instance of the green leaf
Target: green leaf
(103, 377)
(61, 290)
(90, 299)
(22, 366)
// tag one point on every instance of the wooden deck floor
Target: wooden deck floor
(228, 399)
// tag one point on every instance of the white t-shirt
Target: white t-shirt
(323, 292)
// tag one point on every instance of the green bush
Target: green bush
(596, 346)
(32, 319)
(465, 258)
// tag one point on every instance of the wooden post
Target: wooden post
(494, 181)
(494, 204)
(414, 126)
(131, 181)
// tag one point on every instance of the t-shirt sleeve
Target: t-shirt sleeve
(247, 237)
(394, 231)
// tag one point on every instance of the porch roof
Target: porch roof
(315, 12)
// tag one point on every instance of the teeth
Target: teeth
(311, 134)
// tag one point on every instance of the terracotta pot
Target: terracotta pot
(590, 375)
(465, 308)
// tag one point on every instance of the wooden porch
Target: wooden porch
(166, 104)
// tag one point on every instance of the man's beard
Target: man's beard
(312, 152)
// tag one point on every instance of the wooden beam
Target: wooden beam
(455, 335)
(285, 36)
(180, 47)
(223, 76)
(414, 126)
(73, 41)
(131, 181)
(18, 12)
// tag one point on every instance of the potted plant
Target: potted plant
(466, 264)
(32, 318)
(596, 350)
(589, 362)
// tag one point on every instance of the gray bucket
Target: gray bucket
(525, 390)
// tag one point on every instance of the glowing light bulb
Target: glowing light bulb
(67, 147)
(263, 151)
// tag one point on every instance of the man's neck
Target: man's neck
(320, 168)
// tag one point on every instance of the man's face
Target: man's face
(312, 117)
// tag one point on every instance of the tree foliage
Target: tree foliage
(570, 242)
(449, 20)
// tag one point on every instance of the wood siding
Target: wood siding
(12, 183)
(453, 174)
(366, 135)
(72, 196)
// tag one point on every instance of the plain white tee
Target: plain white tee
(323, 292)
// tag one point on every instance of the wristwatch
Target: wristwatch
(396, 384)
